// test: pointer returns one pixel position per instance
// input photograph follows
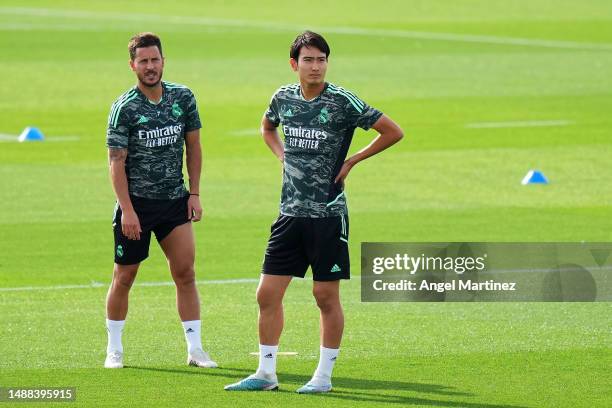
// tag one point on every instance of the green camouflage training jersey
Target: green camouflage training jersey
(318, 134)
(154, 135)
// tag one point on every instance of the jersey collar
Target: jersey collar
(299, 92)
(163, 85)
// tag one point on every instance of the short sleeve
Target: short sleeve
(118, 130)
(361, 114)
(272, 111)
(192, 118)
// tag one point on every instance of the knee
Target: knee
(123, 278)
(268, 299)
(184, 275)
(327, 300)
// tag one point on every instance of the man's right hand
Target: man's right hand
(130, 225)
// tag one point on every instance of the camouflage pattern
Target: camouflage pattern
(154, 135)
(317, 136)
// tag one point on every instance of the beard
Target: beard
(150, 83)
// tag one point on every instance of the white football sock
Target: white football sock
(114, 329)
(327, 359)
(267, 361)
(193, 336)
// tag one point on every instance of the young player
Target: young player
(318, 120)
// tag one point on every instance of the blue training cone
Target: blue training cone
(534, 177)
(31, 134)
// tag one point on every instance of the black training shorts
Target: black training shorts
(158, 216)
(297, 242)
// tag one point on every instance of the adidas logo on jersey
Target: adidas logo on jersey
(335, 268)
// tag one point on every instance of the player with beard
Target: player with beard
(147, 129)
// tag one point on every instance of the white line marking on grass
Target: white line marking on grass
(527, 123)
(202, 21)
(244, 132)
(143, 284)
(15, 138)
(356, 279)
(469, 38)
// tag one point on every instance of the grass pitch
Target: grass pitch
(471, 83)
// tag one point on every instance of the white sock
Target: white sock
(267, 360)
(114, 329)
(192, 329)
(327, 359)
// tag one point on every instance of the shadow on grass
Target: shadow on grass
(355, 388)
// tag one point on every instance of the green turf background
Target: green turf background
(62, 63)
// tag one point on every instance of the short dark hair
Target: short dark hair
(143, 40)
(308, 39)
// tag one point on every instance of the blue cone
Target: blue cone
(534, 177)
(31, 134)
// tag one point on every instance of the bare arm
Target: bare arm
(130, 225)
(272, 139)
(193, 151)
(389, 134)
